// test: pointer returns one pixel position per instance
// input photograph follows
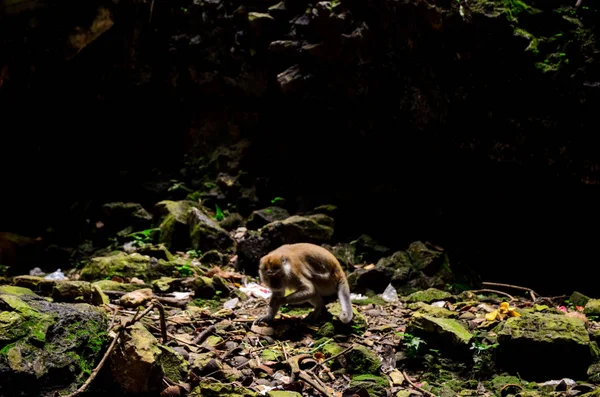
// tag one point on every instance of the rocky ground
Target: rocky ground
(163, 302)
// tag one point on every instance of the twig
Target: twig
(417, 387)
(284, 352)
(163, 322)
(307, 378)
(201, 337)
(511, 384)
(475, 291)
(532, 292)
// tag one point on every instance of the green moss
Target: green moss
(14, 290)
(428, 295)
(371, 378)
(375, 300)
(271, 355)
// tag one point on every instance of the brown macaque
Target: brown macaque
(309, 270)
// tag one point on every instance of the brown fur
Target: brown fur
(309, 270)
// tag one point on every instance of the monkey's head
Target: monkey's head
(271, 271)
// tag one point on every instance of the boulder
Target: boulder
(542, 346)
(46, 347)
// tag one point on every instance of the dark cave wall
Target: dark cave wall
(421, 126)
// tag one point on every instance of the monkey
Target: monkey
(309, 270)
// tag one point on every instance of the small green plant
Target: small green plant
(185, 270)
(141, 239)
(413, 343)
(277, 199)
(194, 253)
(218, 213)
(480, 347)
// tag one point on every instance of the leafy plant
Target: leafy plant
(185, 270)
(218, 213)
(413, 343)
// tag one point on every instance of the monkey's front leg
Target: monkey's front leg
(275, 304)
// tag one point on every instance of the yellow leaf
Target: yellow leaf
(491, 316)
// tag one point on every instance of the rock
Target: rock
(368, 250)
(579, 299)
(284, 47)
(433, 311)
(126, 266)
(47, 347)
(206, 234)
(232, 221)
(213, 258)
(395, 269)
(292, 80)
(247, 201)
(549, 346)
(174, 228)
(451, 335)
(315, 229)
(204, 287)
(428, 296)
(282, 393)
(158, 251)
(119, 215)
(375, 386)
(344, 253)
(135, 366)
(63, 290)
(592, 307)
(260, 218)
(208, 389)
(34, 283)
(260, 23)
(77, 291)
(249, 251)
(426, 257)
(136, 298)
(110, 285)
(359, 360)
(174, 366)
(326, 209)
(14, 290)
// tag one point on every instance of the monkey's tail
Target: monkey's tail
(344, 298)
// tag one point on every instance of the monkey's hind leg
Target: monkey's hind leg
(318, 305)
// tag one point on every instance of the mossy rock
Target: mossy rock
(434, 311)
(427, 296)
(316, 229)
(592, 307)
(126, 266)
(359, 360)
(207, 389)
(173, 365)
(260, 218)
(331, 349)
(447, 334)
(548, 346)
(375, 386)
(173, 218)
(14, 290)
(64, 341)
(282, 393)
(136, 366)
(206, 234)
(110, 285)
